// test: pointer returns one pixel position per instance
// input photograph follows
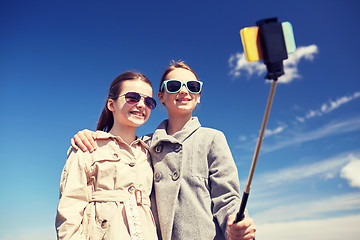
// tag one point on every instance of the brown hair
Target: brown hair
(106, 120)
(173, 66)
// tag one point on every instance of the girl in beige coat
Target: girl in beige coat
(105, 194)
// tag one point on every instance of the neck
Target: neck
(177, 123)
(128, 134)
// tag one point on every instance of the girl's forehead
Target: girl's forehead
(180, 74)
(136, 86)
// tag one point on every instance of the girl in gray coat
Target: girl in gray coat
(196, 183)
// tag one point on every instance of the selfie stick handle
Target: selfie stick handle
(240, 215)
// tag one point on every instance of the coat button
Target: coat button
(131, 189)
(104, 224)
(158, 148)
(132, 164)
(178, 148)
(116, 155)
(157, 176)
(175, 176)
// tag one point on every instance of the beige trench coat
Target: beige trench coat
(94, 188)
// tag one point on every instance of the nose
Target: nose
(183, 89)
(141, 103)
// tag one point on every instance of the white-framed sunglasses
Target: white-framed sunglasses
(174, 86)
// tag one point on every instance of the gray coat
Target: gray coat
(196, 182)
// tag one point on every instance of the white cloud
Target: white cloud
(312, 114)
(300, 119)
(321, 229)
(329, 106)
(332, 105)
(308, 208)
(331, 129)
(322, 169)
(238, 64)
(269, 132)
(241, 64)
(351, 172)
(242, 138)
(287, 208)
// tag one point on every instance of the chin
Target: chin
(138, 121)
(185, 108)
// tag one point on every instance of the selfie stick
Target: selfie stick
(274, 52)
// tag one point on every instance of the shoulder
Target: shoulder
(73, 153)
(211, 132)
(147, 138)
(76, 159)
(106, 150)
(214, 138)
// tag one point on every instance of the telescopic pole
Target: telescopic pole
(240, 215)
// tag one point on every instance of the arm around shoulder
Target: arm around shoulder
(85, 140)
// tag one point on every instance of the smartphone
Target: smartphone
(252, 46)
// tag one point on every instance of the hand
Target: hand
(84, 140)
(243, 230)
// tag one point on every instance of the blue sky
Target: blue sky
(58, 58)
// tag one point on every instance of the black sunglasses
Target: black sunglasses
(174, 86)
(134, 97)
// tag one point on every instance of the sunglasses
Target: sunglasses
(134, 97)
(174, 86)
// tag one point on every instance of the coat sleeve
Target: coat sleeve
(224, 180)
(73, 197)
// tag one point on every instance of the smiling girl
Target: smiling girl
(105, 194)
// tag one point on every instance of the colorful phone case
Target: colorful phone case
(289, 37)
(251, 43)
(252, 46)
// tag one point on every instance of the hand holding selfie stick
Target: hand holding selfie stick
(268, 41)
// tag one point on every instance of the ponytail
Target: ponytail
(106, 120)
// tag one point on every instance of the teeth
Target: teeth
(137, 113)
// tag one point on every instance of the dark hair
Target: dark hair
(173, 66)
(106, 120)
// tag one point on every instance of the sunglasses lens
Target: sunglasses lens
(194, 86)
(132, 97)
(150, 102)
(173, 86)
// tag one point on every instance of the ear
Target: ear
(161, 97)
(198, 99)
(110, 105)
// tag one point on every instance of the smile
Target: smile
(137, 113)
(183, 99)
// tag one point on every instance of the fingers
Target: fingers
(249, 236)
(84, 140)
(73, 144)
(90, 136)
(231, 220)
(244, 230)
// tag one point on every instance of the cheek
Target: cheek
(162, 97)
(148, 112)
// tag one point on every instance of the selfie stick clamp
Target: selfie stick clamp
(274, 52)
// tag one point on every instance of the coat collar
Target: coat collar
(160, 134)
(105, 135)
